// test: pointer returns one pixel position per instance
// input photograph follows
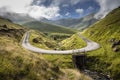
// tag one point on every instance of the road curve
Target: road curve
(90, 46)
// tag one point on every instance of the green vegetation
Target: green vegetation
(41, 40)
(74, 42)
(45, 27)
(56, 41)
(11, 30)
(59, 36)
(22, 65)
(64, 61)
(17, 63)
(106, 32)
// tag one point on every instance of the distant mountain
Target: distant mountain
(17, 17)
(79, 24)
(46, 27)
(85, 22)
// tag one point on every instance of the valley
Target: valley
(21, 64)
(43, 50)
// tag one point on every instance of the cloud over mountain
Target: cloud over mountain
(55, 9)
(106, 6)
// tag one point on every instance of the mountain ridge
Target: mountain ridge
(77, 23)
(46, 27)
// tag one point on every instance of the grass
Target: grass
(18, 63)
(74, 75)
(62, 41)
(21, 64)
(102, 32)
(64, 61)
(74, 42)
(44, 41)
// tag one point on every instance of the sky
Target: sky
(56, 9)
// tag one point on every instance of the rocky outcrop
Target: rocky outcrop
(115, 44)
(116, 49)
(35, 40)
(11, 32)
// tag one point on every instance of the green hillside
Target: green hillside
(40, 40)
(107, 33)
(45, 27)
(17, 63)
(74, 42)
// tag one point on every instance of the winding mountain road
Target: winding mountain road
(91, 45)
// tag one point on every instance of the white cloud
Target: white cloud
(106, 6)
(24, 6)
(42, 11)
(67, 14)
(68, 2)
(90, 8)
(80, 11)
(65, 5)
(75, 1)
(16, 5)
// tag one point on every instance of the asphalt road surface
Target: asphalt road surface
(91, 45)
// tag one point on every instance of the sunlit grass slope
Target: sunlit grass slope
(18, 63)
(106, 60)
(74, 42)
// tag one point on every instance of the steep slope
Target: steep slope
(107, 33)
(18, 63)
(79, 24)
(45, 27)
